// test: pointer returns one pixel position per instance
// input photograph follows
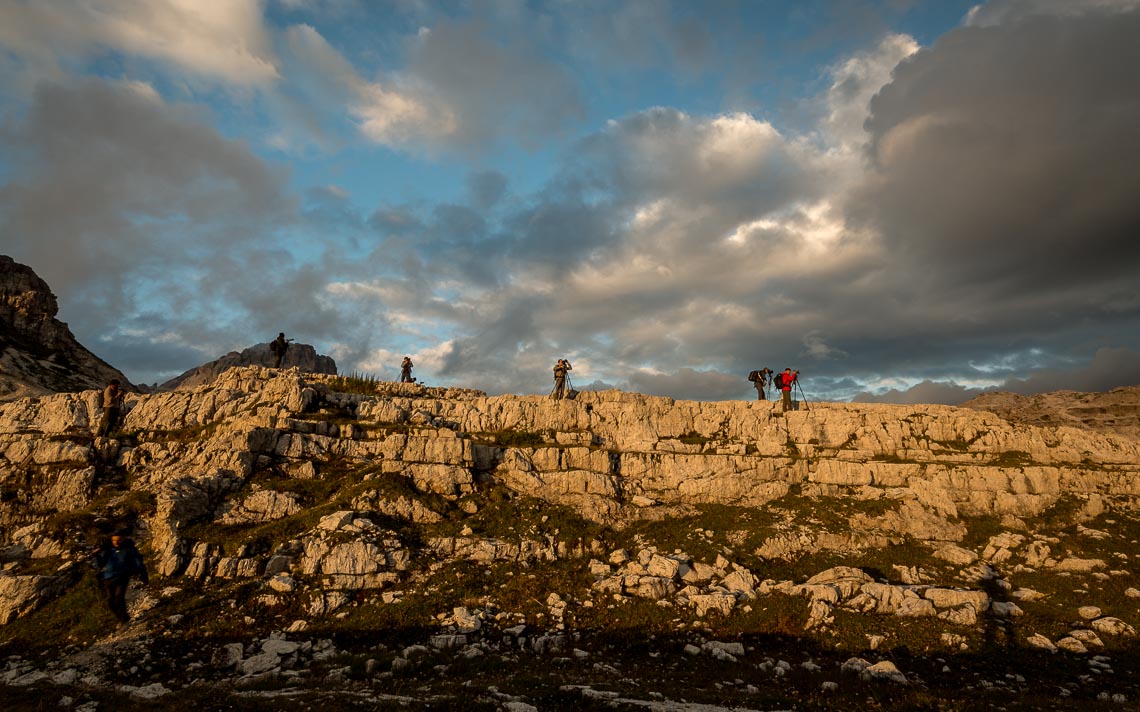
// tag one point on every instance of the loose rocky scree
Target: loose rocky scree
(437, 548)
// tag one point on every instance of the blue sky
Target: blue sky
(907, 200)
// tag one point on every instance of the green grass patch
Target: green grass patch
(957, 444)
(1011, 458)
(112, 509)
(339, 484)
(79, 615)
(832, 513)
(890, 457)
(361, 383)
(189, 433)
(511, 438)
(1062, 515)
(694, 438)
(512, 518)
(979, 530)
(704, 534)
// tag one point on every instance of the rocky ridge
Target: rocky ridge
(38, 353)
(301, 356)
(474, 527)
(1117, 411)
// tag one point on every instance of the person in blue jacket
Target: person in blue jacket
(117, 561)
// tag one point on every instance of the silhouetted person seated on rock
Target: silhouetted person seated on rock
(116, 562)
(406, 370)
(560, 370)
(112, 408)
(278, 347)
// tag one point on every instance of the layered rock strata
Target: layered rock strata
(613, 457)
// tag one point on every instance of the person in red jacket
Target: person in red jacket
(785, 381)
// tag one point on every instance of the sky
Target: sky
(907, 201)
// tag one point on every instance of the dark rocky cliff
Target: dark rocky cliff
(38, 353)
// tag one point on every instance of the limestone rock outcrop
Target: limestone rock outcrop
(1117, 411)
(38, 353)
(257, 447)
(301, 356)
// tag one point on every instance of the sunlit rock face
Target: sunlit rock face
(38, 353)
(909, 472)
(1117, 411)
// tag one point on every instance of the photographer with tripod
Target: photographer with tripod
(760, 380)
(785, 381)
(560, 374)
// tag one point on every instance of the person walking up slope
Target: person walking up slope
(117, 561)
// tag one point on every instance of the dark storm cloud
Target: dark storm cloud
(1109, 368)
(1006, 156)
(1003, 186)
(690, 384)
(101, 169)
(486, 188)
(501, 349)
